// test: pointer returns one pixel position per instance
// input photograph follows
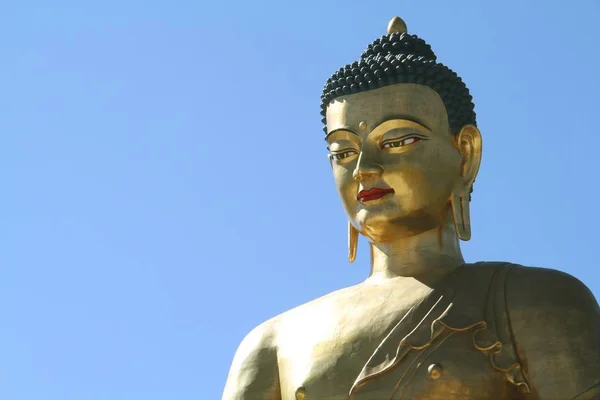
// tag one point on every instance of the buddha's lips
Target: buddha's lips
(373, 194)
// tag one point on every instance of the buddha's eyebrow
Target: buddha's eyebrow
(342, 129)
(406, 118)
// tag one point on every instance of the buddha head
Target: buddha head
(402, 139)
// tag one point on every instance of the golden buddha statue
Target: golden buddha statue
(405, 151)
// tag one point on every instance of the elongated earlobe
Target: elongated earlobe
(352, 242)
(461, 213)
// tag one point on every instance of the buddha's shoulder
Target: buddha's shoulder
(332, 304)
(535, 287)
(328, 306)
(544, 288)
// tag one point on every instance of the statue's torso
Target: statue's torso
(402, 341)
(322, 346)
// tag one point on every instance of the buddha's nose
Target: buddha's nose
(366, 168)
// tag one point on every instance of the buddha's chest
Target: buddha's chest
(321, 353)
(324, 368)
(450, 343)
(449, 368)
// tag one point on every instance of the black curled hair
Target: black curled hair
(402, 58)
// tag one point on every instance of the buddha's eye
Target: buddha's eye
(390, 144)
(343, 154)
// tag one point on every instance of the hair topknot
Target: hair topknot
(402, 58)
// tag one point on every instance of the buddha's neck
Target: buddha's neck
(427, 256)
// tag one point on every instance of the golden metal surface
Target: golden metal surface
(352, 242)
(434, 371)
(300, 394)
(396, 25)
(424, 324)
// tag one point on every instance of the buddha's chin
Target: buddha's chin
(387, 226)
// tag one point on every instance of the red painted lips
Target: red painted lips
(373, 194)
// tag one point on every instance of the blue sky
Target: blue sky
(166, 188)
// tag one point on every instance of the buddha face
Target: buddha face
(394, 159)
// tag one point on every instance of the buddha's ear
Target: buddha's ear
(468, 142)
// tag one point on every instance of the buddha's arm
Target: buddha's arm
(254, 372)
(555, 320)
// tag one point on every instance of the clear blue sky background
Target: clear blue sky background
(165, 186)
